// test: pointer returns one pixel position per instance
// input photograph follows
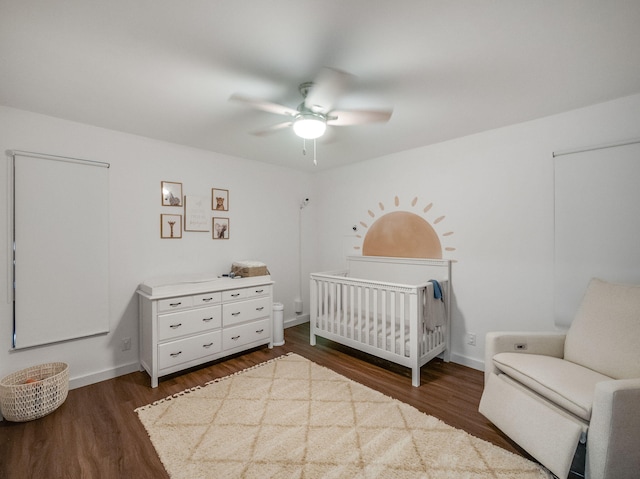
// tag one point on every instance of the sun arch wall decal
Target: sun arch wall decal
(404, 234)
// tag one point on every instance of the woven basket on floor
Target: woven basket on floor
(46, 390)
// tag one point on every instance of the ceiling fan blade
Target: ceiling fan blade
(326, 89)
(272, 129)
(359, 117)
(264, 105)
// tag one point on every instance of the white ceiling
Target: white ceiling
(165, 69)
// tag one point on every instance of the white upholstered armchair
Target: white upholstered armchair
(550, 392)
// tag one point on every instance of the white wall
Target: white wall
(495, 190)
(264, 212)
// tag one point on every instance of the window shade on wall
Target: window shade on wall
(597, 225)
(61, 248)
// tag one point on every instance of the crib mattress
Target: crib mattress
(375, 335)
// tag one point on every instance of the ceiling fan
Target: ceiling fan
(310, 119)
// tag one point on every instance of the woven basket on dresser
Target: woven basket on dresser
(24, 401)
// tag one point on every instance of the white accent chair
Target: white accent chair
(551, 391)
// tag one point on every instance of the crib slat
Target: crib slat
(338, 312)
(358, 307)
(392, 321)
(342, 312)
(367, 306)
(338, 309)
(376, 314)
(346, 309)
(383, 320)
(322, 308)
(331, 295)
(401, 323)
(352, 312)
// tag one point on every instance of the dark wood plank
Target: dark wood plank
(96, 432)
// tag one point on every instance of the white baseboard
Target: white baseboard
(93, 378)
(300, 319)
(467, 361)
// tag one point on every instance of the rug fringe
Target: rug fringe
(168, 398)
(195, 388)
(251, 368)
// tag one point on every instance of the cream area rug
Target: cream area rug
(291, 418)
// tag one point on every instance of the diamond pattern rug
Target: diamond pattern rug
(291, 418)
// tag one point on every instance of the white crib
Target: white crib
(385, 307)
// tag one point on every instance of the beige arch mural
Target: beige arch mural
(403, 234)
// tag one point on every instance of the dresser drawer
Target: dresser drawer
(258, 291)
(188, 349)
(246, 333)
(242, 293)
(191, 321)
(234, 313)
(233, 294)
(207, 298)
(173, 304)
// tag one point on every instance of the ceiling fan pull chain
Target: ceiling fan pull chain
(304, 146)
(315, 162)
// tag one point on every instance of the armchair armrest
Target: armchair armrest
(547, 344)
(613, 442)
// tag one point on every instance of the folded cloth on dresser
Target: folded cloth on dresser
(433, 309)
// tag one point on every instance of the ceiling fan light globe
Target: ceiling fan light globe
(309, 126)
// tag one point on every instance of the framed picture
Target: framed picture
(219, 199)
(171, 226)
(220, 228)
(196, 213)
(171, 193)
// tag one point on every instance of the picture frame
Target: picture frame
(219, 199)
(171, 193)
(220, 228)
(170, 226)
(196, 213)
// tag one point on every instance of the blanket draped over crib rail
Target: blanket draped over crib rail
(386, 307)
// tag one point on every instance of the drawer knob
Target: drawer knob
(207, 345)
(173, 305)
(175, 355)
(259, 291)
(175, 326)
(206, 300)
(206, 320)
(235, 338)
(260, 308)
(233, 295)
(259, 331)
(235, 314)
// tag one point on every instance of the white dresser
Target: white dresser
(187, 321)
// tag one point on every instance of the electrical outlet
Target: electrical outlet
(126, 344)
(471, 339)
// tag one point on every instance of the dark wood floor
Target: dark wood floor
(96, 434)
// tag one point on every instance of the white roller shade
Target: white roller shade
(597, 222)
(61, 237)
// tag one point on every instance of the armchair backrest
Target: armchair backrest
(605, 333)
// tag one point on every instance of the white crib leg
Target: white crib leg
(312, 339)
(415, 376)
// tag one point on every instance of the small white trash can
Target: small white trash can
(278, 324)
